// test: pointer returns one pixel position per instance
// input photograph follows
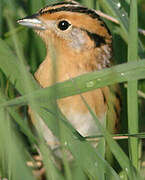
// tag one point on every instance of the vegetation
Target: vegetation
(19, 59)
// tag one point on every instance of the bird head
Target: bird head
(72, 28)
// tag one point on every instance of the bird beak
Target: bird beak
(32, 22)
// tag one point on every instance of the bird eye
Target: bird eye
(63, 25)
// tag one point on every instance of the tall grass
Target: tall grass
(19, 59)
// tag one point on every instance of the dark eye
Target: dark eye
(63, 25)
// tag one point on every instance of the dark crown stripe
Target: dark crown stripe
(98, 39)
(78, 9)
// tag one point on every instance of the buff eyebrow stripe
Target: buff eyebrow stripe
(78, 9)
(98, 39)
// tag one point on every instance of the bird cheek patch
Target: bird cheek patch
(77, 39)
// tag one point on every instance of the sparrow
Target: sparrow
(82, 44)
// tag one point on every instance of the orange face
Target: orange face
(71, 24)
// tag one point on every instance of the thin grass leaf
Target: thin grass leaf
(11, 68)
(89, 3)
(18, 49)
(35, 5)
(18, 119)
(13, 159)
(1, 19)
(133, 85)
(52, 171)
(114, 8)
(86, 82)
(78, 172)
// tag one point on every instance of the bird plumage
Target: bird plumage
(82, 43)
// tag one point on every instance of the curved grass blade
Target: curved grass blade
(114, 8)
(87, 82)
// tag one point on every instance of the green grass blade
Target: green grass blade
(115, 8)
(9, 63)
(12, 154)
(133, 85)
(1, 19)
(52, 171)
(120, 73)
(18, 119)
(89, 3)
